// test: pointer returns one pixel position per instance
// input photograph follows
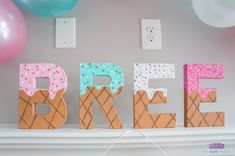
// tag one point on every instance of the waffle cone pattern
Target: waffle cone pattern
(104, 98)
(144, 119)
(29, 119)
(195, 118)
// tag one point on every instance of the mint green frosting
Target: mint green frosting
(90, 70)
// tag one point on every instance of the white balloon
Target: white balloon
(216, 13)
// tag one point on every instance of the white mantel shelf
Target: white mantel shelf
(71, 137)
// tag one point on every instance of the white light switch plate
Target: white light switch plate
(65, 33)
(151, 34)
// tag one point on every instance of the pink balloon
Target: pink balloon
(12, 31)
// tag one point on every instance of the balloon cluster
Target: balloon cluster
(12, 23)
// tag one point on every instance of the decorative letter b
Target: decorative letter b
(29, 96)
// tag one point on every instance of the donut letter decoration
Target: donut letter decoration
(143, 96)
(194, 95)
(102, 94)
(30, 96)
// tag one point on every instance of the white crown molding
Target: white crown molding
(70, 137)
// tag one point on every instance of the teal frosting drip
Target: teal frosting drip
(90, 70)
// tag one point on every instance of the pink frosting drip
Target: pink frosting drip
(29, 73)
(194, 72)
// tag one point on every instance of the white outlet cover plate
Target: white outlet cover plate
(151, 34)
(65, 33)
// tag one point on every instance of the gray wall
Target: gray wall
(109, 31)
